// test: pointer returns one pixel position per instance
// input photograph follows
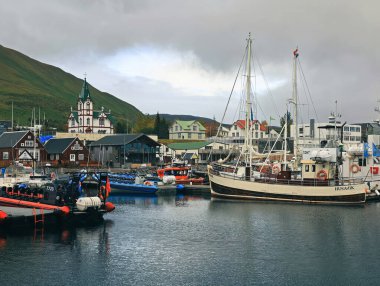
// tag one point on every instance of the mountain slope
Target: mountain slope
(29, 83)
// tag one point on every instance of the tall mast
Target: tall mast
(12, 115)
(295, 102)
(247, 141)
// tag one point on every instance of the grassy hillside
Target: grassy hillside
(30, 83)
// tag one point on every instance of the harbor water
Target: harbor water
(195, 240)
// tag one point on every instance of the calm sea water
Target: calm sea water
(188, 240)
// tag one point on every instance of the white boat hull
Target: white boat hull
(241, 189)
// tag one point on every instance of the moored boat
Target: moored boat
(313, 179)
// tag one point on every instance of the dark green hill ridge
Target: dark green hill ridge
(30, 83)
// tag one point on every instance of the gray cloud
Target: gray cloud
(338, 41)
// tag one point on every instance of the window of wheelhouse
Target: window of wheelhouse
(362, 162)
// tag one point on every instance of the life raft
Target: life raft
(322, 175)
(354, 168)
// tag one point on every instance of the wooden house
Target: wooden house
(66, 152)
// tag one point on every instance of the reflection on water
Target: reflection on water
(188, 240)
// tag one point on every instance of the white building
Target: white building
(86, 119)
(313, 133)
(187, 130)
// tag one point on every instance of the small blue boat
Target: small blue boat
(118, 188)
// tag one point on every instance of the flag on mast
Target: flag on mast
(295, 53)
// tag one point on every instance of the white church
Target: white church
(86, 119)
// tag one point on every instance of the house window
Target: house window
(57, 156)
(262, 135)
(233, 134)
(313, 168)
(199, 135)
(72, 121)
(80, 121)
(5, 155)
(81, 157)
(194, 128)
(256, 134)
(179, 135)
(51, 157)
(307, 168)
(88, 121)
(235, 127)
(29, 143)
(72, 157)
(256, 126)
(101, 121)
(88, 105)
(189, 135)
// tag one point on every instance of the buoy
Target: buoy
(148, 183)
(109, 206)
(3, 215)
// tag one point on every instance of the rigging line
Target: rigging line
(308, 90)
(267, 86)
(229, 99)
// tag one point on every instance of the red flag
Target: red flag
(295, 53)
(108, 185)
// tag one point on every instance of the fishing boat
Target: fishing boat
(25, 205)
(313, 178)
(179, 174)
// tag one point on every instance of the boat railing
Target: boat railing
(272, 179)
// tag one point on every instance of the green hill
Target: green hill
(29, 83)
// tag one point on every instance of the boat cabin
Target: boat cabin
(312, 170)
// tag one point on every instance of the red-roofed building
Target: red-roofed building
(258, 129)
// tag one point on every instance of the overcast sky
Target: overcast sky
(181, 57)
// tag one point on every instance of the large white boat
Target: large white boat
(314, 179)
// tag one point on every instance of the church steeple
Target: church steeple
(85, 92)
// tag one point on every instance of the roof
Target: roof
(188, 145)
(241, 124)
(122, 139)
(96, 114)
(189, 156)
(85, 92)
(10, 139)
(58, 145)
(186, 124)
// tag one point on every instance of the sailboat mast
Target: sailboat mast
(247, 142)
(295, 102)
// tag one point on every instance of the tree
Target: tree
(157, 125)
(164, 129)
(121, 127)
(290, 122)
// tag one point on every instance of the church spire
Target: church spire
(85, 92)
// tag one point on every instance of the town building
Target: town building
(197, 152)
(87, 120)
(66, 152)
(125, 150)
(21, 146)
(187, 130)
(311, 134)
